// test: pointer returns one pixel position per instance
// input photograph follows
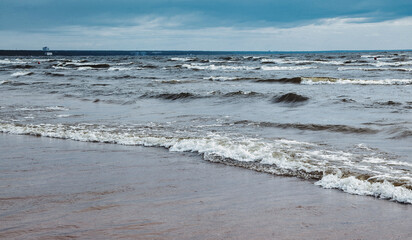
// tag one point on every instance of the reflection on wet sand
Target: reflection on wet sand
(60, 189)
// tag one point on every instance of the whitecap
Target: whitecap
(284, 68)
(8, 61)
(182, 59)
(121, 69)
(57, 108)
(212, 78)
(217, 67)
(277, 156)
(84, 68)
(384, 190)
(18, 74)
(63, 115)
(325, 80)
(52, 108)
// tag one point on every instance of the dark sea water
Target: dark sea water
(340, 120)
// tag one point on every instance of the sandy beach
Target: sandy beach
(206, 120)
(62, 189)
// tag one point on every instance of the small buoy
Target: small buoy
(38, 62)
(375, 58)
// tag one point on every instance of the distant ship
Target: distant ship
(46, 51)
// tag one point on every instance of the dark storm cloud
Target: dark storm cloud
(28, 15)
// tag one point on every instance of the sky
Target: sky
(220, 25)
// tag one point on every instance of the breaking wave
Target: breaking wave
(86, 66)
(18, 74)
(217, 67)
(295, 80)
(242, 93)
(312, 127)
(289, 98)
(13, 83)
(330, 168)
(222, 79)
(186, 59)
(187, 95)
(329, 80)
(171, 96)
(284, 68)
(48, 109)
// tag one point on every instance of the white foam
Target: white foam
(220, 78)
(123, 68)
(63, 115)
(399, 163)
(217, 67)
(52, 108)
(283, 156)
(8, 61)
(57, 108)
(281, 61)
(18, 74)
(294, 61)
(241, 149)
(373, 160)
(61, 68)
(124, 63)
(251, 57)
(372, 56)
(84, 68)
(330, 62)
(5, 61)
(374, 69)
(268, 60)
(309, 81)
(392, 64)
(353, 185)
(353, 68)
(284, 68)
(221, 61)
(363, 146)
(174, 81)
(182, 59)
(79, 63)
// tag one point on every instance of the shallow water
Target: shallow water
(341, 119)
(58, 189)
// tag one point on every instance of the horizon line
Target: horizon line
(177, 50)
(168, 52)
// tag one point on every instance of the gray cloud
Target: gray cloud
(327, 34)
(206, 24)
(29, 14)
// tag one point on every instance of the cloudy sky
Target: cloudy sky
(246, 25)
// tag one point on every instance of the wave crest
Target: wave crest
(277, 156)
(171, 96)
(290, 98)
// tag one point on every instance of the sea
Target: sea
(340, 120)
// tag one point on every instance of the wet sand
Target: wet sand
(62, 189)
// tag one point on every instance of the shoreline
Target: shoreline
(60, 189)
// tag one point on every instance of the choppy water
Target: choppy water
(342, 120)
